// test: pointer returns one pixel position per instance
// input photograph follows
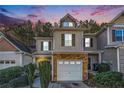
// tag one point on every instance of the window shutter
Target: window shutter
(91, 42)
(62, 40)
(113, 35)
(73, 39)
(84, 42)
(41, 45)
(50, 45)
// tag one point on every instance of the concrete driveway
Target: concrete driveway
(68, 85)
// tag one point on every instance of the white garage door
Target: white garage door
(69, 71)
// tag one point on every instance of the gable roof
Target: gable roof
(17, 44)
(114, 19)
(69, 16)
(117, 16)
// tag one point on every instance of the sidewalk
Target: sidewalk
(37, 83)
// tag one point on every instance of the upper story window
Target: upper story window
(68, 39)
(67, 24)
(45, 45)
(88, 42)
(118, 35)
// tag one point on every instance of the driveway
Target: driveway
(68, 85)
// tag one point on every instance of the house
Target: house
(65, 49)
(73, 53)
(12, 52)
(111, 41)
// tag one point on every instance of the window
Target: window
(67, 24)
(1, 61)
(87, 42)
(7, 62)
(72, 62)
(118, 35)
(61, 62)
(66, 62)
(78, 62)
(68, 39)
(45, 45)
(12, 61)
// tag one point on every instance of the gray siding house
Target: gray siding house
(12, 52)
(73, 53)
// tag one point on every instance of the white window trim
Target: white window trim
(88, 42)
(44, 46)
(118, 60)
(68, 24)
(65, 40)
(122, 35)
(108, 36)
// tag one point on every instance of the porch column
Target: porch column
(100, 60)
(52, 67)
(34, 59)
(108, 36)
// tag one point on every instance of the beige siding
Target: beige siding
(110, 56)
(38, 44)
(10, 56)
(27, 59)
(120, 20)
(121, 57)
(57, 41)
(94, 43)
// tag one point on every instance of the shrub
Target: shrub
(30, 70)
(45, 73)
(103, 67)
(20, 81)
(9, 73)
(109, 79)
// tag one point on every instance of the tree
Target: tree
(38, 28)
(24, 33)
(47, 27)
(90, 25)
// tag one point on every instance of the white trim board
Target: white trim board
(118, 60)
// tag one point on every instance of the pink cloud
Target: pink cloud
(77, 11)
(100, 10)
(32, 16)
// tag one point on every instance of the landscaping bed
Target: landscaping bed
(105, 78)
(15, 77)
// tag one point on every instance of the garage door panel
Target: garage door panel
(69, 70)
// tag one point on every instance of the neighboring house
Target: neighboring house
(111, 40)
(13, 53)
(72, 52)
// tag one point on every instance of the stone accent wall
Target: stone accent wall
(83, 57)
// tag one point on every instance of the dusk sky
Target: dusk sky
(53, 13)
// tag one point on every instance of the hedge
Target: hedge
(20, 81)
(109, 79)
(103, 67)
(9, 73)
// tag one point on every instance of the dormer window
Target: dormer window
(67, 24)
